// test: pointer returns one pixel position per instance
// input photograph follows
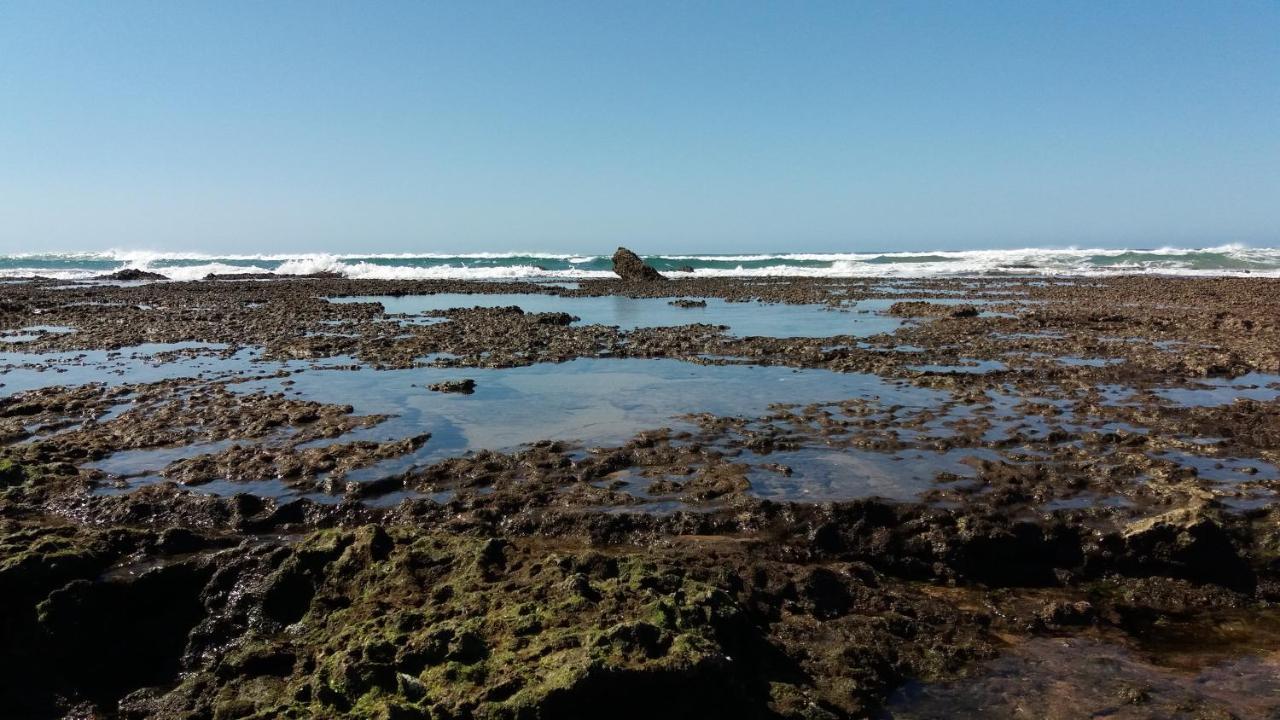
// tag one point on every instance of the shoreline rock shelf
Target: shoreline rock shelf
(200, 517)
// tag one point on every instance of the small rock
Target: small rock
(919, 308)
(1063, 613)
(560, 318)
(411, 687)
(466, 386)
(467, 648)
(1133, 694)
(579, 585)
(493, 555)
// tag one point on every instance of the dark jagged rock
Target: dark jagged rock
(11, 473)
(631, 268)
(917, 308)
(683, 303)
(132, 275)
(322, 275)
(1186, 542)
(465, 386)
(559, 318)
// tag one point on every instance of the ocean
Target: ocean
(1215, 261)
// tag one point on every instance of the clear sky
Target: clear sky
(685, 126)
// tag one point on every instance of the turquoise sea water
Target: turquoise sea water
(1225, 260)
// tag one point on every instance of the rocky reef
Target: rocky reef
(1108, 544)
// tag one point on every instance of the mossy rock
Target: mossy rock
(12, 473)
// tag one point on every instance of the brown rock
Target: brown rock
(465, 386)
(631, 268)
(918, 308)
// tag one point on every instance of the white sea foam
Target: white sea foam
(149, 256)
(199, 271)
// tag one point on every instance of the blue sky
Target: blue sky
(681, 126)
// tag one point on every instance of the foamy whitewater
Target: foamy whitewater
(1215, 261)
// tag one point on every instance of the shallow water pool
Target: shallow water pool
(594, 401)
(744, 319)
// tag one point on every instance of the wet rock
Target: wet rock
(288, 594)
(918, 308)
(11, 473)
(467, 648)
(297, 466)
(631, 268)
(92, 625)
(256, 662)
(827, 593)
(466, 386)
(1133, 694)
(132, 274)
(636, 637)
(492, 558)
(1186, 542)
(686, 303)
(560, 319)
(579, 585)
(1065, 613)
(180, 540)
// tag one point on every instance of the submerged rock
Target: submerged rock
(631, 268)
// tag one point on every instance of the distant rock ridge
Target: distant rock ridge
(132, 274)
(631, 268)
(322, 275)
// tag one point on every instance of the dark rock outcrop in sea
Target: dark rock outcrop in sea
(322, 275)
(631, 268)
(465, 386)
(132, 274)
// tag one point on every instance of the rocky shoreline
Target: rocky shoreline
(1077, 487)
